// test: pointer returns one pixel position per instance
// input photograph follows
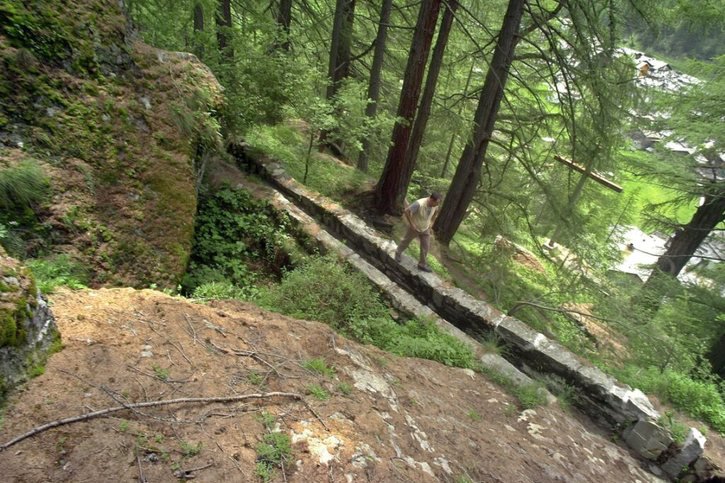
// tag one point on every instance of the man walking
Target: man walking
(419, 217)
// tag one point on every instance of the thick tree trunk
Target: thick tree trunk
(375, 78)
(688, 239)
(223, 29)
(198, 29)
(426, 101)
(339, 64)
(284, 21)
(467, 175)
(717, 356)
(681, 248)
(390, 189)
(446, 162)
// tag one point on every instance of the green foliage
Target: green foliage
(231, 228)
(326, 176)
(529, 395)
(36, 370)
(267, 419)
(222, 290)
(58, 271)
(676, 429)
(344, 388)
(44, 32)
(324, 290)
(319, 366)
(273, 452)
(318, 392)
(161, 373)
(701, 399)
(22, 186)
(190, 449)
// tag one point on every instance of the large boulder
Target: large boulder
(120, 128)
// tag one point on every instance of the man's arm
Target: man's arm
(408, 212)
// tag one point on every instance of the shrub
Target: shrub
(324, 290)
(232, 230)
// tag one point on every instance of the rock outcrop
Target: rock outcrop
(27, 328)
(119, 128)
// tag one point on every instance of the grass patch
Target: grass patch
(529, 395)
(326, 176)
(58, 271)
(700, 399)
(22, 186)
(190, 449)
(319, 366)
(344, 388)
(318, 392)
(161, 373)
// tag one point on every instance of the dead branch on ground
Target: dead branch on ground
(166, 402)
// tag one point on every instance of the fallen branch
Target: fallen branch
(147, 404)
(187, 474)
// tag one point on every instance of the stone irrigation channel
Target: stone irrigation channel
(613, 405)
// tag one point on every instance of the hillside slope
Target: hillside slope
(385, 418)
(117, 126)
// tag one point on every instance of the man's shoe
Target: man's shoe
(424, 268)
(398, 256)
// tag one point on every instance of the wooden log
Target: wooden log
(596, 177)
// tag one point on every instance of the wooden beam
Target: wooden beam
(596, 177)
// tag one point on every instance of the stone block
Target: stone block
(691, 450)
(648, 439)
(373, 274)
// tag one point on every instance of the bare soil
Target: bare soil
(386, 418)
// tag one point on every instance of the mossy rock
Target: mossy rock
(28, 333)
(117, 125)
(17, 300)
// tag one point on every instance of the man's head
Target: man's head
(434, 199)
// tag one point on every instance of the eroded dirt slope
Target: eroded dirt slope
(387, 418)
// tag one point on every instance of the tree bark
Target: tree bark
(688, 239)
(444, 170)
(390, 188)
(682, 247)
(284, 21)
(717, 356)
(339, 64)
(223, 29)
(468, 173)
(198, 29)
(375, 78)
(421, 119)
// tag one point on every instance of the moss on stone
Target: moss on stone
(130, 130)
